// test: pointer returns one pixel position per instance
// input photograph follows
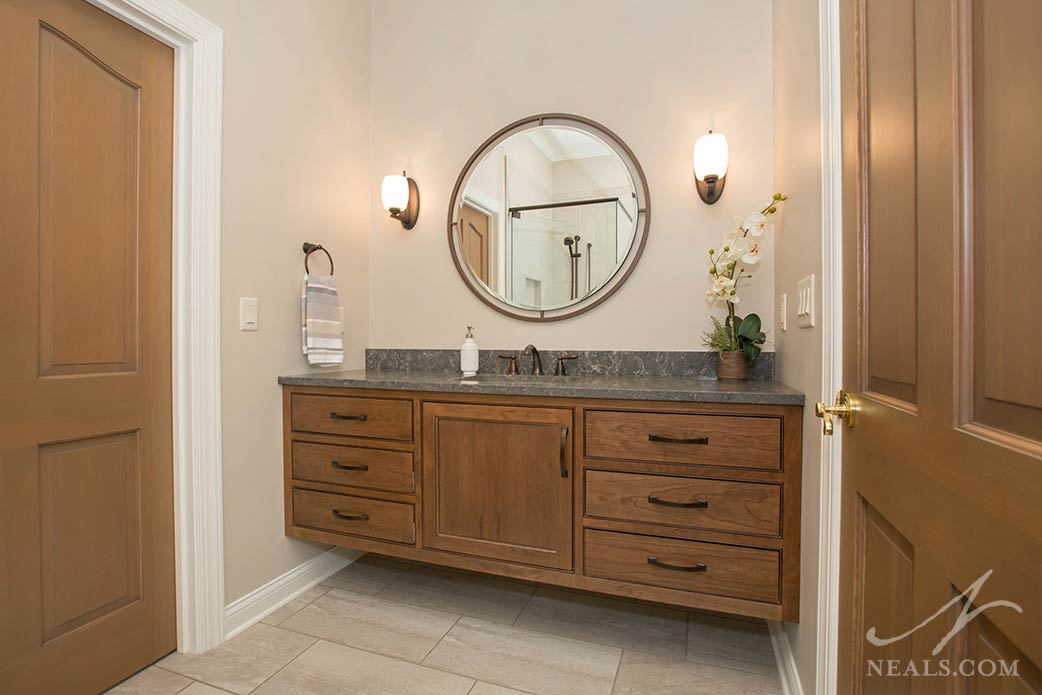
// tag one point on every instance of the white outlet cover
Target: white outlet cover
(248, 314)
(783, 312)
(805, 302)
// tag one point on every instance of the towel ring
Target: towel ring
(309, 249)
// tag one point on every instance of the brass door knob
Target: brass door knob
(846, 409)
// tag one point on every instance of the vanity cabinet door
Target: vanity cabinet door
(497, 482)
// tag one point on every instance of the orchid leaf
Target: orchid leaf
(749, 328)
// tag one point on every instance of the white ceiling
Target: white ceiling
(566, 143)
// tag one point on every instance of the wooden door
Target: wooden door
(86, 482)
(474, 233)
(497, 482)
(941, 474)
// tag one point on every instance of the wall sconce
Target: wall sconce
(710, 162)
(401, 198)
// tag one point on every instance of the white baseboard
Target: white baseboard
(790, 677)
(254, 606)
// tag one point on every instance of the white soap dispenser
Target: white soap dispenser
(468, 354)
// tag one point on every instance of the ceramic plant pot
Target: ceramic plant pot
(732, 366)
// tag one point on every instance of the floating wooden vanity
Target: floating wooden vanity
(695, 504)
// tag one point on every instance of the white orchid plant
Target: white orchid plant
(730, 269)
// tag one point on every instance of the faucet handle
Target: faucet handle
(512, 369)
(560, 370)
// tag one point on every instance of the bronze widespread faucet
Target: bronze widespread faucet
(537, 362)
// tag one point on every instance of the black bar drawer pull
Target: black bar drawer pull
(700, 567)
(677, 440)
(337, 416)
(350, 517)
(564, 451)
(342, 467)
(697, 504)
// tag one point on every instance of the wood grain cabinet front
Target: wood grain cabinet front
(709, 568)
(374, 418)
(719, 505)
(497, 482)
(372, 469)
(690, 504)
(357, 516)
(705, 440)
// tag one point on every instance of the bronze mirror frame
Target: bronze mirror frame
(624, 269)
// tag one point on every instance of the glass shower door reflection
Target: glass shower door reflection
(560, 252)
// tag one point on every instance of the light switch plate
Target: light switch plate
(248, 314)
(783, 312)
(805, 302)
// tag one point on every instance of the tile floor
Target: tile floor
(385, 627)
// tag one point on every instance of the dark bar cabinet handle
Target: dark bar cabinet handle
(564, 450)
(677, 440)
(342, 467)
(337, 416)
(700, 567)
(350, 517)
(697, 504)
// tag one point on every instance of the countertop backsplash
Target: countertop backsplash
(700, 364)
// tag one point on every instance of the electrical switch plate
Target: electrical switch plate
(783, 311)
(247, 313)
(805, 302)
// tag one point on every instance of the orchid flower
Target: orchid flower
(757, 223)
(741, 248)
(722, 289)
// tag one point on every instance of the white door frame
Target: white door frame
(832, 342)
(198, 534)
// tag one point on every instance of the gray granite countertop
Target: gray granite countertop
(641, 388)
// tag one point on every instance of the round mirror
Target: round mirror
(548, 217)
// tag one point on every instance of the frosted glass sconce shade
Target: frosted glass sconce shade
(401, 197)
(710, 161)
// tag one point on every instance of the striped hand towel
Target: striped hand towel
(320, 321)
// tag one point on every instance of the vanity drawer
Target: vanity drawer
(729, 441)
(704, 503)
(708, 568)
(375, 469)
(378, 418)
(357, 516)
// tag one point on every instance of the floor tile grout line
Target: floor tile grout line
(687, 634)
(280, 669)
(458, 617)
(294, 613)
(170, 670)
(440, 640)
(392, 658)
(587, 643)
(188, 686)
(618, 667)
(420, 664)
(154, 664)
(418, 604)
(602, 645)
(524, 607)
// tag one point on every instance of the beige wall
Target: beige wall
(295, 150)
(448, 74)
(797, 172)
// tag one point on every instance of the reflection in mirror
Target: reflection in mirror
(546, 218)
